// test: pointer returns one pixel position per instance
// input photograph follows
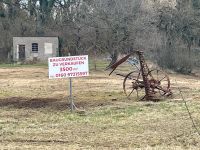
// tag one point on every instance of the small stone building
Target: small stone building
(34, 48)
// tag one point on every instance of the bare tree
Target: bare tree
(178, 24)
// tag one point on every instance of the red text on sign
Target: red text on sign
(65, 69)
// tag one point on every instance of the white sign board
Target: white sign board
(72, 66)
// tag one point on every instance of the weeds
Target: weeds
(35, 114)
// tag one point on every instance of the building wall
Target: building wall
(42, 43)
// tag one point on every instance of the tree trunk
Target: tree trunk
(114, 57)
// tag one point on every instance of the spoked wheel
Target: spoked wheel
(133, 85)
(159, 82)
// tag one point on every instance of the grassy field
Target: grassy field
(35, 112)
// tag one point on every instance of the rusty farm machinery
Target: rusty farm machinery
(145, 83)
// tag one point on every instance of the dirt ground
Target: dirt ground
(35, 113)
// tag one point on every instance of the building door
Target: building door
(21, 52)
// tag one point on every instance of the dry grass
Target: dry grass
(35, 113)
